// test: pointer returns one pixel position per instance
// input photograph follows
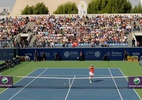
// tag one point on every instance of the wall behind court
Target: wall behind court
(89, 53)
(7, 54)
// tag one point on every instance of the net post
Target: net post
(69, 82)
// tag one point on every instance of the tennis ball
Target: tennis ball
(64, 83)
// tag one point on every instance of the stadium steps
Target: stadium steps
(133, 33)
(130, 37)
(31, 24)
(32, 40)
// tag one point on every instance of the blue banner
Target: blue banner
(6, 54)
(89, 53)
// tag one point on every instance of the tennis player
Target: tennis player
(91, 72)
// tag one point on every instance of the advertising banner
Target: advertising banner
(135, 82)
(89, 53)
(6, 81)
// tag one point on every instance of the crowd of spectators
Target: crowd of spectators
(51, 30)
(96, 30)
(10, 27)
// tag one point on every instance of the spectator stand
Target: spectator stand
(104, 30)
(54, 31)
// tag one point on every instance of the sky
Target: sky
(10, 3)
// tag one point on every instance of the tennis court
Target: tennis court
(71, 84)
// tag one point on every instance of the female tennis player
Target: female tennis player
(91, 72)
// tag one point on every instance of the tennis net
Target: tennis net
(73, 82)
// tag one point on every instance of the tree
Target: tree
(137, 9)
(30, 9)
(127, 7)
(39, 8)
(25, 11)
(67, 8)
(109, 6)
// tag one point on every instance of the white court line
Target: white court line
(19, 80)
(27, 85)
(115, 85)
(127, 81)
(70, 88)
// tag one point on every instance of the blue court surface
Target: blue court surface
(71, 84)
